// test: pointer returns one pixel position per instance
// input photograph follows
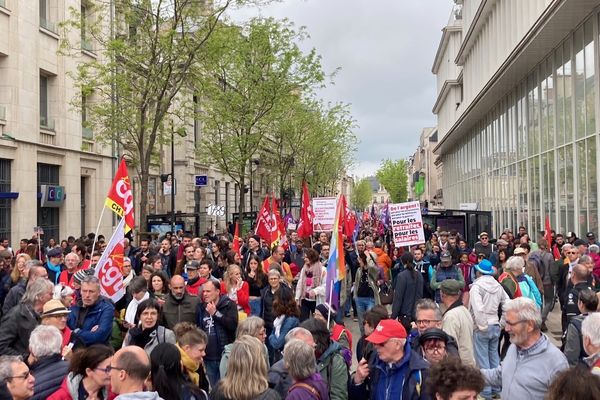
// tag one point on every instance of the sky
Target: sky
(385, 49)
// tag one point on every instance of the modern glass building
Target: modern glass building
(523, 140)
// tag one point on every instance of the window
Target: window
(44, 118)
(196, 122)
(48, 217)
(86, 131)
(86, 43)
(5, 204)
(45, 20)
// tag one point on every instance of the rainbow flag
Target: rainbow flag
(336, 265)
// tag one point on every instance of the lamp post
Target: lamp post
(165, 177)
(252, 162)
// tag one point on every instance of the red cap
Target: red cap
(387, 329)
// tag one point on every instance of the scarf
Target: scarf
(56, 269)
(132, 308)
(141, 337)
(190, 366)
(127, 280)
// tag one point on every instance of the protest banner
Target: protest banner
(324, 210)
(109, 268)
(407, 223)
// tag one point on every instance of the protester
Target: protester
(590, 332)
(180, 306)
(252, 326)
(407, 291)
(451, 380)
(167, 377)
(457, 321)
(55, 314)
(366, 291)
(310, 289)
(129, 370)
(267, 297)
(147, 333)
(531, 362)
(21, 320)
(236, 289)
(65, 294)
(139, 292)
(331, 363)
(286, 313)
(19, 380)
(587, 303)
(195, 280)
(191, 343)
(217, 316)
(433, 344)
(15, 294)
(257, 281)
(45, 361)
(91, 318)
(159, 286)
(372, 318)
(299, 359)
(428, 315)
(246, 376)
(339, 333)
(395, 371)
(574, 384)
(88, 375)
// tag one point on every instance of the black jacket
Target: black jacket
(225, 320)
(14, 296)
(409, 289)
(266, 312)
(49, 372)
(15, 329)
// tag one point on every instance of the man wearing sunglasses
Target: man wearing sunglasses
(15, 374)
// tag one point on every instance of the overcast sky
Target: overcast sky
(385, 49)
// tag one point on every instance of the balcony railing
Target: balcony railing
(44, 23)
(46, 123)
(87, 133)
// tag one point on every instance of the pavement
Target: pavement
(553, 323)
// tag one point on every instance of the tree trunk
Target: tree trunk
(242, 203)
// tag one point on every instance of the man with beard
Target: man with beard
(532, 361)
(179, 304)
(422, 266)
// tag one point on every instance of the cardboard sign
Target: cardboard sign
(407, 223)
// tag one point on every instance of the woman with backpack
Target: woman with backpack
(408, 289)
(299, 359)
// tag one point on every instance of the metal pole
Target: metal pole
(172, 179)
(251, 188)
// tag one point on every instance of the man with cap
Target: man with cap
(484, 246)
(433, 344)
(179, 305)
(591, 237)
(394, 371)
(443, 271)
(195, 281)
(457, 321)
(54, 264)
(55, 314)
(486, 298)
(252, 247)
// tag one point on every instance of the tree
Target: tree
(362, 194)
(252, 78)
(146, 56)
(393, 176)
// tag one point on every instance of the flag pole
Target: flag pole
(329, 305)
(97, 229)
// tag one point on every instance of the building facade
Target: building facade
(425, 169)
(517, 104)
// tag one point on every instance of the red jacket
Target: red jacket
(63, 392)
(194, 288)
(243, 295)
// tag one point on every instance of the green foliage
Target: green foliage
(362, 193)
(393, 176)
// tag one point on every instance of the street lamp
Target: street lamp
(252, 162)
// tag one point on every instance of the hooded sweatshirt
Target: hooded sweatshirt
(300, 392)
(486, 296)
(139, 396)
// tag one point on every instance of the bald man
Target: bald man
(129, 369)
(179, 304)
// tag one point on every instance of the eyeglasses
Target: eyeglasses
(516, 322)
(426, 321)
(483, 237)
(110, 368)
(24, 375)
(435, 349)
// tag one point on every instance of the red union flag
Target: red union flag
(264, 223)
(120, 197)
(109, 267)
(305, 226)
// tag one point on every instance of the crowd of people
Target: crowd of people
(199, 320)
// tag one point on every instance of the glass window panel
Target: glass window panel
(550, 99)
(562, 190)
(568, 91)
(570, 180)
(582, 192)
(534, 185)
(522, 183)
(590, 91)
(579, 83)
(560, 96)
(521, 124)
(592, 185)
(543, 107)
(549, 195)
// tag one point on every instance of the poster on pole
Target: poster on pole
(407, 223)
(324, 209)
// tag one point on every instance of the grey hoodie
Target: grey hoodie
(139, 396)
(486, 296)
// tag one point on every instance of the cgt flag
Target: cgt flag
(109, 267)
(120, 197)
(305, 226)
(264, 222)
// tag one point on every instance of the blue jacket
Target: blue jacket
(404, 380)
(49, 373)
(289, 323)
(100, 314)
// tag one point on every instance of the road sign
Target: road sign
(201, 180)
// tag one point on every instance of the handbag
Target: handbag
(386, 293)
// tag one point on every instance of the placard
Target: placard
(324, 209)
(407, 223)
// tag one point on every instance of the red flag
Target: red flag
(349, 219)
(548, 232)
(264, 224)
(236, 238)
(109, 269)
(120, 197)
(305, 226)
(278, 236)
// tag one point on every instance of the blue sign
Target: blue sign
(201, 180)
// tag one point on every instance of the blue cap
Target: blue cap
(485, 267)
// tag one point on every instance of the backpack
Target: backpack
(306, 386)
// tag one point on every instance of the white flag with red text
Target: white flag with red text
(109, 269)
